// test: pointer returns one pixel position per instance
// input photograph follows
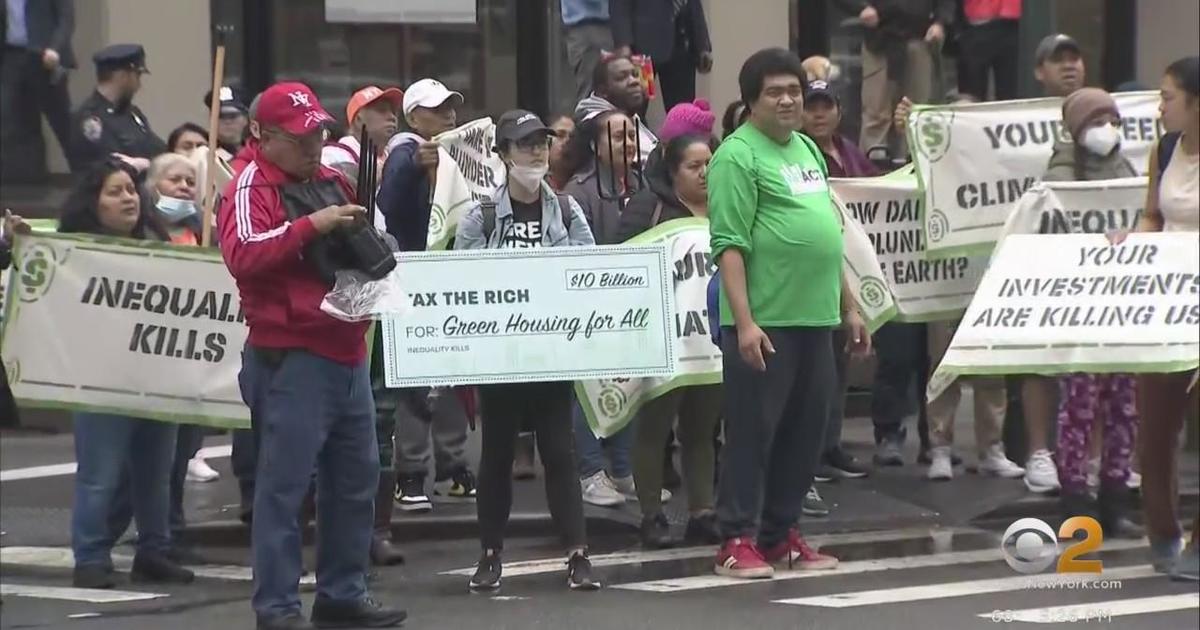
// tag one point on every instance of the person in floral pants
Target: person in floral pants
(1114, 397)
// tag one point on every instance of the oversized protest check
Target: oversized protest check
(128, 327)
(1055, 304)
(975, 161)
(511, 316)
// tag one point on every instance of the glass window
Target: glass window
(335, 59)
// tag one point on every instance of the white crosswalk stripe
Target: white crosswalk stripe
(1101, 612)
(61, 558)
(89, 595)
(557, 564)
(957, 589)
(846, 568)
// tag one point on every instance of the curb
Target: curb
(1048, 507)
(233, 532)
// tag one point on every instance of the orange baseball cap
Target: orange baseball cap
(369, 95)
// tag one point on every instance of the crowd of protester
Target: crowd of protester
(751, 448)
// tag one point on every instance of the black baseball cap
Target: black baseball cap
(1051, 44)
(519, 124)
(817, 90)
(121, 57)
(230, 99)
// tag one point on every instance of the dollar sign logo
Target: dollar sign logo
(37, 266)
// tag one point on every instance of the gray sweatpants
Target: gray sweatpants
(584, 45)
(774, 426)
(419, 438)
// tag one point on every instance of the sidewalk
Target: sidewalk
(37, 511)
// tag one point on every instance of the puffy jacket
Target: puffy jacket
(1061, 167)
(281, 293)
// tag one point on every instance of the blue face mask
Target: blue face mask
(174, 209)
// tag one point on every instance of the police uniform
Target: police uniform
(100, 128)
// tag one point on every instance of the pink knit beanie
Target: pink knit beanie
(687, 118)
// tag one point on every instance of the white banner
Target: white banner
(975, 161)
(889, 210)
(144, 329)
(1054, 304)
(468, 170)
(1095, 207)
(861, 269)
(544, 314)
(610, 404)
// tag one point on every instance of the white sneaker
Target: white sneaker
(598, 490)
(1040, 474)
(996, 464)
(1093, 474)
(198, 470)
(1135, 481)
(940, 468)
(625, 486)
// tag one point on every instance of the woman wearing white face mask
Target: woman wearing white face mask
(525, 212)
(1091, 118)
(171, 181)
(1087, 400)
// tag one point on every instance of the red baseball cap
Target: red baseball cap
(369, 95)
(292, 107)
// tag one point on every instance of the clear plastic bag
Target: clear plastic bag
(355, 297)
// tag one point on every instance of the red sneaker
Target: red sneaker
(795, 553)
(740, 558)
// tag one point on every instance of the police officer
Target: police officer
(108, 122)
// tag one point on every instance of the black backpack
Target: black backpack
(488, 206)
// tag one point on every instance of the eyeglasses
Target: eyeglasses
(308, 141)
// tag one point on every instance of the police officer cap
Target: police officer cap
(231, 100)
(121, 57)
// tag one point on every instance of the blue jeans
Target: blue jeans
(311, 413)
(104, 446)
(188, 440)
(591, 448)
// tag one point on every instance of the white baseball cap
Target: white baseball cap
(428, 93)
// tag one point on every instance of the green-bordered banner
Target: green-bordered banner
(889, 210)
(975, 161)
(610, 404)
(1063, 303)
(468, 170)
(150, 330)
(861, 269)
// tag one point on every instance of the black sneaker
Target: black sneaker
(364, 613)
(460, 486)
(814, 505)
(410, 494)
(156, 567)
(888, 453)
(93, 577)
(703, 530)
(186, 556)
(656, 532)
(824, 473)
(579, 573)
(487, 574)
(843, 464)
(286, 622)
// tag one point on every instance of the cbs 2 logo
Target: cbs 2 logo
(1030, 546)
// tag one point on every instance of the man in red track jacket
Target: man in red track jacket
(304, 374)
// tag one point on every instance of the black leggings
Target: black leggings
(546, 409)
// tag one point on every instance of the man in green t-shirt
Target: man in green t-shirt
(778, 240)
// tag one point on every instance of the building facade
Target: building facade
(511, 54)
